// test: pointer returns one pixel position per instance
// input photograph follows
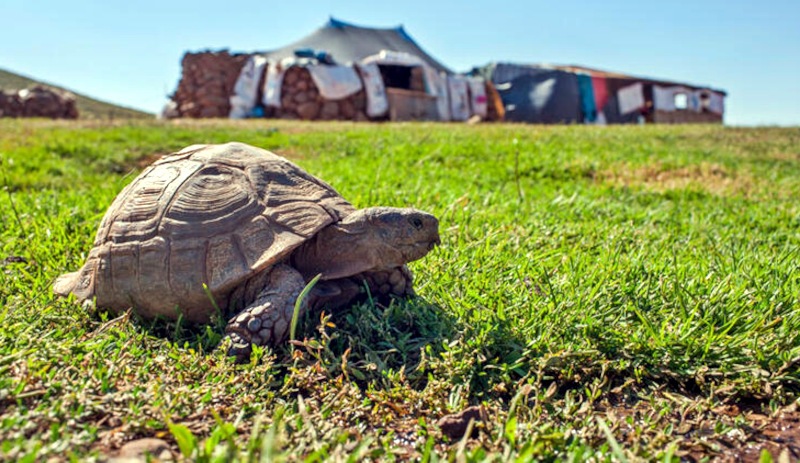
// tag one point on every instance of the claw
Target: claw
(239, 348)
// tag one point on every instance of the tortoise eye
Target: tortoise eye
(417, 223)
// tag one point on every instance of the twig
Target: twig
(11, 198)
(520, 194)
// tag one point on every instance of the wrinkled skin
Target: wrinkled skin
(370, 246)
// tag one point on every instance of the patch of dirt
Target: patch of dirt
(146, 160)
(785, 156)
(779, 435)
(713, 178)
(729, 433)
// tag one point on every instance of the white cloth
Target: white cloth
(273, 84)
(436, 85)
(459, 99)
(245, 91)
(399, 58)
(335, 82)
(664, 98)
(377, 103)
(478, 100)
(630, 98)
(716, 103)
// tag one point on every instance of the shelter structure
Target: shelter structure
(347, 42)
(577, 94)
(344, 71)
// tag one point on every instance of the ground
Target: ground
(601, 293)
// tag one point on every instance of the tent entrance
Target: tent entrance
(403, 77)
(405, 90)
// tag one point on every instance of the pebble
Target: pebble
(138, 450)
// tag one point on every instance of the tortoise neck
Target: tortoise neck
(333, 252)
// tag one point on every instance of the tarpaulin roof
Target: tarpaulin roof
(347, 42)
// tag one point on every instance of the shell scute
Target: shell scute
(225, 263)
(211, 202)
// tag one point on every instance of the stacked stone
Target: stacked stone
(300, 99)
(207, 80)
(10, 104)
(38, 101)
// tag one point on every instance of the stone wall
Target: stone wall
(300, 99)
(207, 80)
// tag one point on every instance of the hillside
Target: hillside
(88, 107)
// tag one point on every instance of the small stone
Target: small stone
(140, 448)
(308, 110)
(254, 324)
(301, 97)
(455, 425)
(384, 289)
(290, 77)
(265, 333)
(347, 109)
(330, 110)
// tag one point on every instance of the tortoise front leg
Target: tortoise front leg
(383, 283)
(266, 321)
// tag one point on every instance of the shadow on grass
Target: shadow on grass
(365, 342)
(380, 340)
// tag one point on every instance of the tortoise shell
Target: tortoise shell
(213, 215)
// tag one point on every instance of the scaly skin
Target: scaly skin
(266, 320)
(394, 282)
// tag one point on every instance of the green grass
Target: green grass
(88, 107)
(607, 293)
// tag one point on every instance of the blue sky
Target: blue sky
(129, 52)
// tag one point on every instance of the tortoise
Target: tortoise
(237, 231)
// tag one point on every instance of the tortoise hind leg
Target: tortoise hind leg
(65, 283)
(266, 321)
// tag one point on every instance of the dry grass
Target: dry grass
(711, 178)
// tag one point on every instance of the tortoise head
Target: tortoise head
(403, 233)
(375, 238)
